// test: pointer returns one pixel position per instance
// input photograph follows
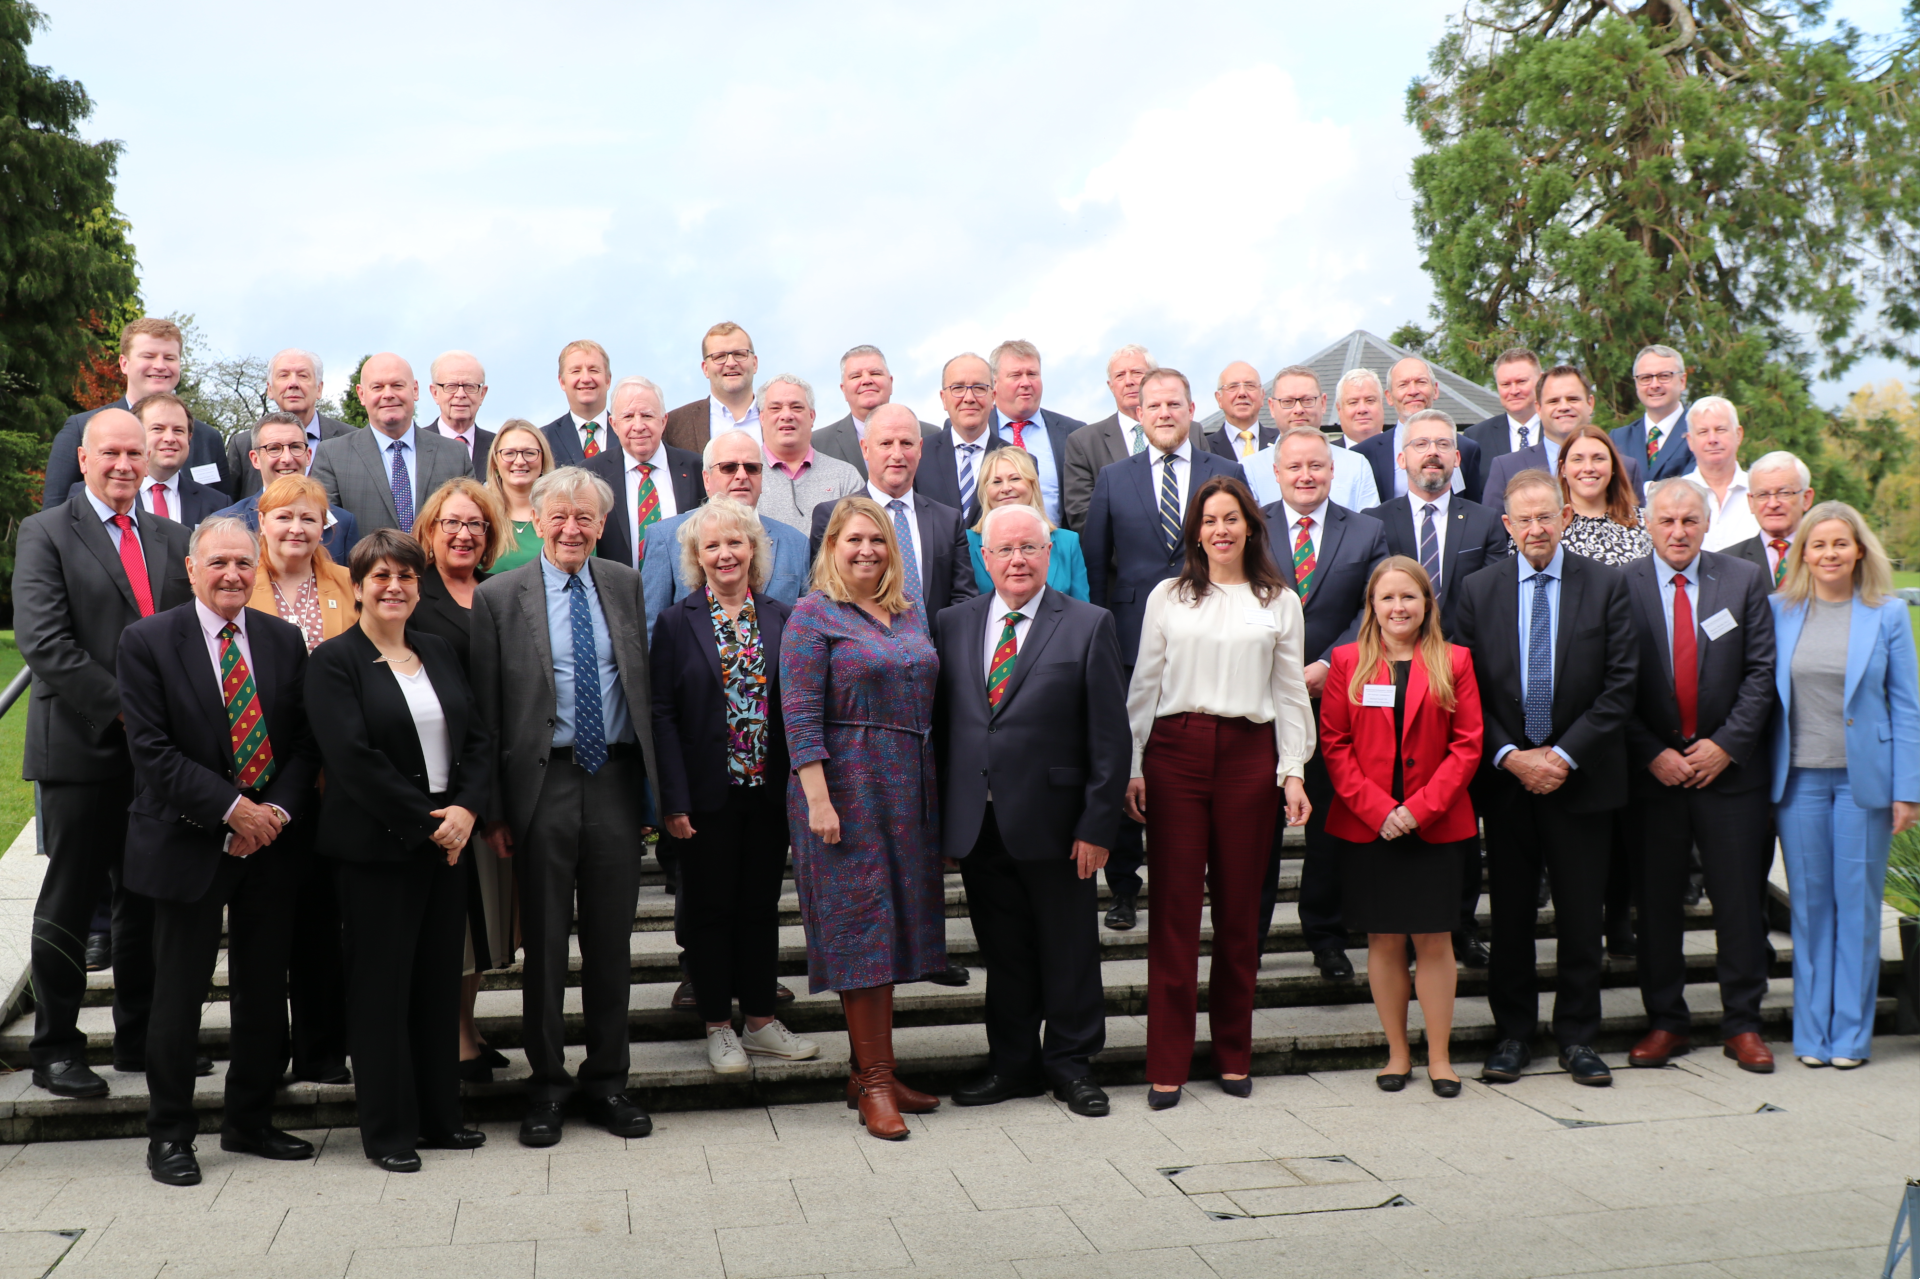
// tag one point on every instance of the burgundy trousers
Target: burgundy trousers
(1211, 806)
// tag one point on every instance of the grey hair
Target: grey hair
(1356, 375)
(706, 453)
(319, 369)
(742, 517)
(1012, 346)
(797, 382)
(1018, 508)
(967, 355)
(1133, 348)
(1719, 403)
(433, 369)
(277, 418)
(567, 481)
(1780, 459)
(1434, 415)
(1664, 352)
(635, 381)
(865, 348)
(1684, 485)
(222, 524)
(1298, 433)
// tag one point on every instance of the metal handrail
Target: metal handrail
(17, 686)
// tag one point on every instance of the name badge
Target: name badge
(333, 603)
(1377, 695)
(1719, 624)
(1261, 618)
(205, 473)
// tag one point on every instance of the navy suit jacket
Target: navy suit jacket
(939, 474)
(207, 448)
(197, 501)
(1350, 545)
(682, 468)
(1476, 538)
(1674, 458)
(565, 441)
(1385, 461)
(1126, 556)
(946, 562)
(690, 706)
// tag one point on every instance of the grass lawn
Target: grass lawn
(1899, 579)
(16, 796)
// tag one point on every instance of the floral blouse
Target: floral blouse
(743, 676)
(1597, 537)
(303, 611)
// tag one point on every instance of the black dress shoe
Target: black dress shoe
(72, 1078)
(1546, 891)
(989, 1090)
(475, 1070)
(327, 1075)
(781, 995)
(458, 1139)
(1585, 1066)
(1691, 894)
(1392, 1083)
(202, 1065)
(683, 996)
(1470, 951)
(494, 1058)
(1334, 965)
(1506, 1062)
(952, 975)
(1124, 913)
(1444, 1087)
(1084, 1097)
(403, 1161)
(268, 1143)
(1623, 946)
(541, 1124)
(99, 952)
(172, 1163)
(619, 1114)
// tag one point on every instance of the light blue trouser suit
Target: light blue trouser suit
(1836, 857)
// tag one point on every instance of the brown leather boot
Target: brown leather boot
(911, 1101)
(870, 1036)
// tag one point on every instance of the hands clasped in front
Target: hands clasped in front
(1696, 767)
(1541, 770)
(254, 826)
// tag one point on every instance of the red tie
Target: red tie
(1686, 660)
(1780, 547)
(1019, 439)
(160, 502)
(135, 567)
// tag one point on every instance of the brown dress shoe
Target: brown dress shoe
(1657, 1048)
(1751, 1052)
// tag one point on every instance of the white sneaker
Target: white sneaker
(723, 1052)
(775, 1040)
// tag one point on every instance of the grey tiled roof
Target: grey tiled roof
(1464, 401)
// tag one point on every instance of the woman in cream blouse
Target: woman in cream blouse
(1222, 730)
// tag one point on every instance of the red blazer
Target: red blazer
(1442, 753)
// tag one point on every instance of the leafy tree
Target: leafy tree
(352, 412)
(1877, 433)
(1711, 174)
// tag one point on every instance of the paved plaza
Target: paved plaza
(1697, 1171)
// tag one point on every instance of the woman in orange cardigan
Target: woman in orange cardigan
(1400, 728)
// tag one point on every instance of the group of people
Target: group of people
(401, 704)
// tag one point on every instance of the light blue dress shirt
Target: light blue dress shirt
(106, 514)
(1549, 579)
(613, 701)
(1665, 574)
(409, 454)
(1038, 443)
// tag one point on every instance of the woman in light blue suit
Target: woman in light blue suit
(1009, 476)
(1846, 770)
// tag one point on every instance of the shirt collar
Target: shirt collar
(579, 422)
(953, 434)
(1552, 569)
(1184, 451)
(634, 463)
(1001, 608)
(171, 483)
(1417, 500)
(557, 577)
(1666, 572)
(1318, 514)
(211, 623)
(1531, 424)
(1666, 423)
(793, 471)
(879, 495)
(107, 513)
(406, 439)
(450, 433)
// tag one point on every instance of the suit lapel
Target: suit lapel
(371, 446)
(533, 607)
(1114, 436)
(1416, 693)
(1863, 632)
(1571, 567)
(1710, 603)
(699, 616)
(190, 645)
(1665, 460)
(94, 536)
(1456, 534)
(1329, 547)
(153, 548)
(621, 623)
(1646, 584)
(1142, 467)
(1044, 624)
(921, 516)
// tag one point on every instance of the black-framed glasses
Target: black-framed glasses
(452, 527)
(1664, 377)
(723, 357)
(1289, 403)
(965, 390)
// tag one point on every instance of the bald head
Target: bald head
(892, 448)
(113, 457)
(1239, 395)
(388, 392)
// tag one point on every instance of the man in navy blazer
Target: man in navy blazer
(1516, 377)
(1017, 418)
(1658, 437)
(953, 458)
(1030, 731)
(280, 448)
(1411, 388)
(1566, 404)
(639, 419)
(223, 763)
(585, 376)
(1240, 395)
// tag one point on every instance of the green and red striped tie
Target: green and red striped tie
(246, 726)
(1303, 557)
(1004, 654)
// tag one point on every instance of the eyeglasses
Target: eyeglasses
(453, 528)
(725, 357)
(1429, 446)
(384, 577)
(519, 455)
(1026, 549)
(1239, 386)
(281, 450)
(1289, 403)
(964, 390)
(1776, 495)
(462, 388)
(732, 468)
(1524, 522)
(1663, 378)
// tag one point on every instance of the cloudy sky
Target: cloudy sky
(1218, 181)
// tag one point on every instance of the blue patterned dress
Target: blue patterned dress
(858, 698)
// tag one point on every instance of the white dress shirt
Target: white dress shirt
(1666, 424)
(172, 487)
(603, 432)
(1315, 531)
(997, 618)
(1419, 503)
(1733, 521)
(720, 419)
(913, 520)
(662, 486)
(1182, 472)
(1514, 425)
(1400, 473)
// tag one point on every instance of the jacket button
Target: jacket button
(994, 729)
(1849, 723)
(541, 762)
(983, 772)
(1409, 763)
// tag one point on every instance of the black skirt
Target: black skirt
(1403, 885)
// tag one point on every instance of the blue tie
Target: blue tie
(1539, 705)
(1169, 503)
(966, 475)
(1430, 550)
(589, 726)
(908, 560)
(402, 487)
(1524, 443)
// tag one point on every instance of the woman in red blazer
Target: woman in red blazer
(1400, 728)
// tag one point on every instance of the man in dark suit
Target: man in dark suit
(150, 350)
(1240, 395)
(1132, 543)
(280, 448)
(458, 384)
(930, 532)
(224, 763)
(865, 383)
(1657, 439)
(384, 473)
(1698, 777)
(954, 457)
(1326, 553)
(168, 491)
(1780, 492)
(83, 572)
(1030, 728)
(1553, 652)
(294, 380)
(573, 822)
(1452, 539)
(1411, 388)
(648, 484)
(1018, 419)
(1516, 376)
(1566, 404)
(1113, 438)
(728, 362)
(585, 376)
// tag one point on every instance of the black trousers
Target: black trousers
(1734, 835)
(584, 839)
(256, 895)
(1319, 873)
(1040, 937)
(84, 825)
(406, 940)
(317, 967)
(728, 911)
(1124, 860)
(1523, 832)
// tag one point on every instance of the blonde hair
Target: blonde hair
(510, 541)
(1872, 572)
(1022, 462)
(287, 490)
(583, 344)
(499, 528)
(891, 595)
(743, 517)
(1431, 644)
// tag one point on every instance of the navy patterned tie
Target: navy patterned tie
(966, 474)
(1169, 502)
(1523, 438)
(402, 487)
(589, 724)
(908, 560)
(1430, 550)
(1539, 705)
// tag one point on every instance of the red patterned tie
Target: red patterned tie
(1303, 557)
(646, 510)
(135, 567)
(592, 447)
(1019, 429)
(246, 726)
(1004, 654)
(1686, 660)
(1780, 548)
(160, 502)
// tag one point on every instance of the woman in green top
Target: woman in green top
(519, 456)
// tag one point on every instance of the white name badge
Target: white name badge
(206, 473)
(1719, 624)
(1261, 618)
(1377, 695)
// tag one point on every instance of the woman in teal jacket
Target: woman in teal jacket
(1009, 475)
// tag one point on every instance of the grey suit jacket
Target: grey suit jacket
(355, 474)
(512, 672)
(1089, 449)
(840, 440)
(240, 443)
(1754, 551)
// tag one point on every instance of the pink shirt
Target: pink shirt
(791, 472)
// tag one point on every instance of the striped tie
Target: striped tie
(1169, 503)
(966, 475)
(1430, 550)
(909, 562)
(1539, 697)
(1780, 548)
(1004, 654)
(646, 511)
(1303, 557)
(246, 727)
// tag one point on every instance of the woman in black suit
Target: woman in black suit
(407, 773)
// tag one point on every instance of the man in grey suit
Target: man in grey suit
(85, 570)
(1566, 404)
(294, 379)
(560, 676)
(1115, 438)
(384, 473)
(865, 383)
